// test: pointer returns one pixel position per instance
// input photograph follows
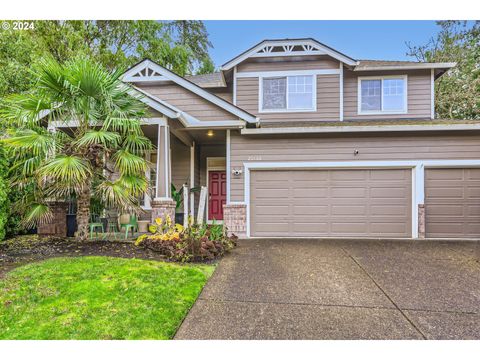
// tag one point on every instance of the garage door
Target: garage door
(333, 203)
(452, 203)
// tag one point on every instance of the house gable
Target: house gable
(149, 72)
(288, 48)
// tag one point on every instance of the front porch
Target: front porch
(192, 157)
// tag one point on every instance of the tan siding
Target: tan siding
(341, 148)
(328, 101)
(189, 102)
(288, 63)
(180, 163)
(418, 91)
(225, 94)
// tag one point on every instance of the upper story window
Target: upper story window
(382, 95)
(288, 93)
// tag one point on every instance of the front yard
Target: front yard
(98, 298)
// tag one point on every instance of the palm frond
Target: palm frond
(34, 142)
(36, 214)
(123, 125)
(99, 137)
(114, 195)
(136, 144)
(136, 185)
(128, 163)
(67, 169)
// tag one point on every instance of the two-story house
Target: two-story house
(295, 139)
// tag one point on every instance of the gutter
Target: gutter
(359, 129)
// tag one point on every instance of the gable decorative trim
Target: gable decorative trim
(293, 47)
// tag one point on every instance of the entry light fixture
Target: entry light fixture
(210, 133)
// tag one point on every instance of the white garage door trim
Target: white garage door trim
(417, 166)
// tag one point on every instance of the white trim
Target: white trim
(314, 48)
(167, 161)
(355, 129)
(208, 169)
(192, 87)
(432, 94)
(417, 166)
(227, 165)
(157, 193)
(381, 78)
(234, 85)
(255, 74)
(192, 179)
(341, 90)
(412, 66)
(287, 110)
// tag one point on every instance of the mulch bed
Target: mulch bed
(30, 248)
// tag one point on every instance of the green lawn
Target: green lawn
(98, 298)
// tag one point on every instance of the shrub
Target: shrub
(194, 243)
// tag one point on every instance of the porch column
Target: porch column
(163, 204)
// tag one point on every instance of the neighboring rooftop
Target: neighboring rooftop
(212, 80)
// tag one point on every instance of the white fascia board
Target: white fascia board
(405, 67)
(325, 50)
(354, 129)
(193, 88)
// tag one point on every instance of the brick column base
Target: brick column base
(235, 219)
(421, 221)
(58, 225)
(161, 208)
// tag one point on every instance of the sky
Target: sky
(367, 40)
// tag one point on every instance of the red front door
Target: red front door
(217, 186)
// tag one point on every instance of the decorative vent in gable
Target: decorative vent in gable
(144, 73)
(289, 50)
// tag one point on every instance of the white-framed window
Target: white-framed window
(293, 93)
(382, 95)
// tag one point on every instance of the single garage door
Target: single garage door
(452, 203)
(331, 203)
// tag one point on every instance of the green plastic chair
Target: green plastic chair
(94, 225)
(132, 224)
(113, 226)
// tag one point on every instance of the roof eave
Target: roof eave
(247, 53)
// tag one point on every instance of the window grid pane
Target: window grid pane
(371, 95)
(275, 93)
(393, 91)
(300, 92)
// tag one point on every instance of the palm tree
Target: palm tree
(97, 153)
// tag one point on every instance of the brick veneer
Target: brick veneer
(421, 221)
(58, 225)
(235, 219)
(161, 208)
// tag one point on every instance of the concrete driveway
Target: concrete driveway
(341, 289)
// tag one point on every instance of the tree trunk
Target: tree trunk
(83, 212)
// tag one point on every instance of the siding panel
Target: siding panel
(189, 102)
(418, 91)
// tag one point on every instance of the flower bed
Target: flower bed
(191, 244)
